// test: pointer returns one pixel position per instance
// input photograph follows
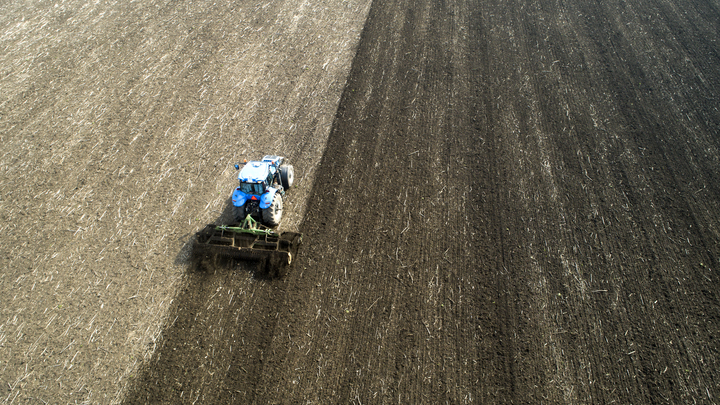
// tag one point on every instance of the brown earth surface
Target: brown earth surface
(518, 202)
(119, 125)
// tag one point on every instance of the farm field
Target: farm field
(502, 202)
(119, 125)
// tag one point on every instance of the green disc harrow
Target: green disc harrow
(249, 240)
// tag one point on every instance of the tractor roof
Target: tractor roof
(254, 172)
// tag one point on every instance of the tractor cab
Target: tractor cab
(261, 189)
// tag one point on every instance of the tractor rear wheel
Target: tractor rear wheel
(287, 175)
(239, 213)
(273, 214)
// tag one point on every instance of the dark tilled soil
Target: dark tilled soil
(518, 203)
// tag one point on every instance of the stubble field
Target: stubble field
(513, 202)
(120, 122)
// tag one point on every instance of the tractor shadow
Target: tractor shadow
(219, 326)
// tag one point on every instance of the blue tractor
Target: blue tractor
(258, 206)
(262, 188)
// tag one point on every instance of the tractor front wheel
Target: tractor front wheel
(287, 176)
(273, 214)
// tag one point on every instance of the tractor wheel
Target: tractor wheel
(273, 214)
(239, 213)
(287, 175)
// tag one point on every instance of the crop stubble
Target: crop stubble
(119, 124)
(518, 203)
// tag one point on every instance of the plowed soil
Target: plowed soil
(517, 202)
